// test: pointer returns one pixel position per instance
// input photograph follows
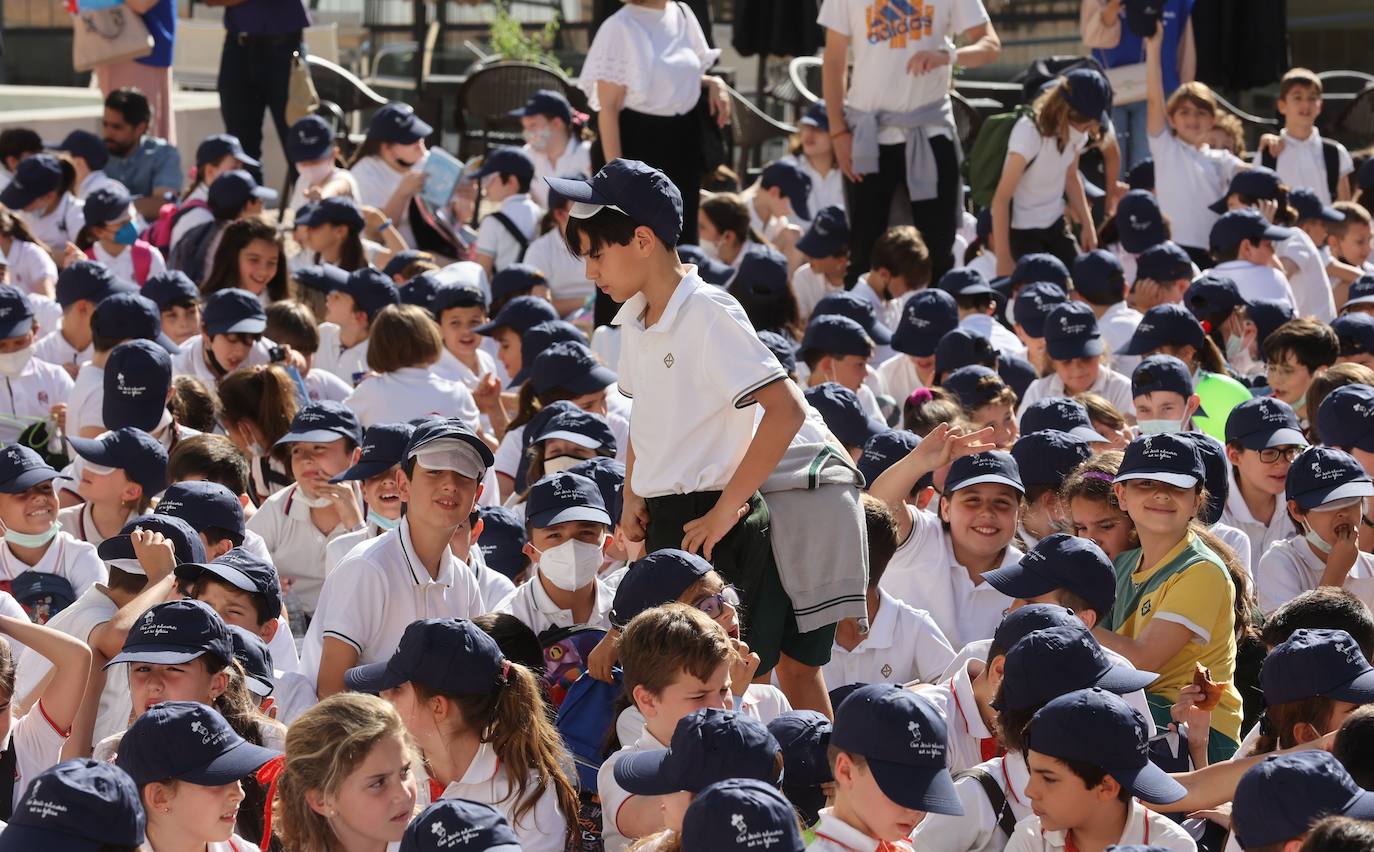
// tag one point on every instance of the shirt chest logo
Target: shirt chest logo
(1147, 606)
(894, 21)
(886, 670)
(669, 360)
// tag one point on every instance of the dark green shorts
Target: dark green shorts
(744, 558)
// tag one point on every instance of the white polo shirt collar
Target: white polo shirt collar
(632, 312)
(964, 718)
(842, 835)
(605, 597)
(419, 575)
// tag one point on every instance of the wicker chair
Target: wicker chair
(492, 91)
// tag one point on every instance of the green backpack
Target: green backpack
(983, 165)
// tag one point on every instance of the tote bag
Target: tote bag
(102, 36)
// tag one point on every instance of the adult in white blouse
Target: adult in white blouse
(388, 165)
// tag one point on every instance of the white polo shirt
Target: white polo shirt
(449, 367)
(296, 544)
(122, 264)
(78, 521)
(1257, 282)
(191, 360)
(59, 227)
(29, 266)
(690, 426)
(411, 393)
(833, 834)
(322, 385)
(613, 796)
(74, 560)
(37, 746)
(1262, 536)
(977, 829)
(566, 273)
(903, 644)
(532, 605)
(541, 829)
(1310, 283)
(899, 377)
(348, 363)
(576, 159)
(924, 571)
(1039, 198)
(1143, 826)
(1290, 568)
(1117, 325)
(497, 243)
(809, 287)
(826, 190)
(965, 729)
(1303, 163)
(55, 349)
(1187, 180)
(1110, 385)
(384, 588)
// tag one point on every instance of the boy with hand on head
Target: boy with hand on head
(887, 755)
(504, 234)
(121, 471)
(825, 245)
(292, 325)
(1162, 275)
(80, 287)
(1074, 349)
(976, 302)
(697, 454)
(1347, 248)
(408, 572)
(836, 349)
(349, 311)
(1279, 800)
(1242, 243)
(1045, 459)
(1263, 437)
(1298, 152)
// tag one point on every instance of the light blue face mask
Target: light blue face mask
(1160, 427)
(1318, 542)
(127, 234)
(20, 539)
(382, 523)
(1234, 344)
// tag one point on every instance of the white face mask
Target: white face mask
(572, 564)
(708, 248)
(558, 464)
(538, 139)
(1318, 542)
(312, 502)
(1160, 427)
(315, 173)
(32, 539)
(13, 363)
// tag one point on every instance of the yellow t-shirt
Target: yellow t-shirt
(1198, 594)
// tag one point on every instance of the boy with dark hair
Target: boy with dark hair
(1100, 281)
(825, 246)
(291, 323)
(898, 266)
(836, 349)
(80, 287)
(1298, 153)
(1162, 275)
(1045, 460)
(1299, 350)
(16, 143)
(209, 457)
(504, 234)
(1325, 607)
(1347, 245)
(976, 301)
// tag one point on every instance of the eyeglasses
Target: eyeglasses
(714, 605)
(1273, 454)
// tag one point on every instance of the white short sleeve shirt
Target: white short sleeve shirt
(1262, 536)
(1302, 163)
(658, 55)
(613, 796)
(296, 544)
(532, 605)
(903, 644)
(348, 363)
(28, 398)
(410, 393)
(495, 241)
(1187, 180)
(1310, 283)
(1257, 282)
(1039, 198)
(541, 829)
(576, 159)
(75, 561)
(1110, 385)
(29, 266)
(55, 349)
(567, 274)
(1290, 568)
(122, 264)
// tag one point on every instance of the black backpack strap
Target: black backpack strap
(1331, 158)
(997, 797)
(9, 765)
(515, 232)
(1268, 160)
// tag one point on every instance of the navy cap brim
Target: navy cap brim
(1274, 232)
(1124, 679)
(914, 787)
(95, 451)
(229, 574)
(160, 655)
(26, 838)
(373, 678)
(641, 773)
(1358, 691)
(1219, 206)
(1316, 499)
(18, 328)
(1063, 350)
(117, 547)
(238, 762)
(1149, 783)
(1277, 438)
(543, 520)
(578, 191)
(1359, 300)
(593, 380)
(881, 334)
(364, 470)
(1331, 214)
(14, 198)
(1017, 581)
(28, 479)
(994, 478)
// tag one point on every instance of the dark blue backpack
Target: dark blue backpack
(585, 717)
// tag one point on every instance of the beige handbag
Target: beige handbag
(1128, 83)
(301, 97)
(109, 35)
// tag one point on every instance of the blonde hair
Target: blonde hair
(323, 746)
(403, 336)
(1235, 133)
(1195, 93)
(1053, 114)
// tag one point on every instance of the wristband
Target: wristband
(386, 223)
(837, 134)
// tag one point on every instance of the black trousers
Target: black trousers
(255, 76)
(1055, 240)
(869, 200)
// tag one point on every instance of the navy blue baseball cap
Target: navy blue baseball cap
(371, 290)
(816, 116)
(38, 590)
(1346, 417)
(109, 203)
(1241, 225)
(21, 469)
(1141, 176)
(1039, 266)
(1033, 303)
(185, 543)
(322, 422)
(848, 305)
(708, 745)
(233, 311)
(383, 447)
(217, 146)
(904, 739)
(583, 428)
(1269, 314)
(256, 659)
(130, 316)
(230, 191)
(1165, 325)
(1280, 798)
(927, 316)
(1257, 182)
(803, 736)
(1264, 422)
(187, 741)
(243, 571)
(78, 805)
(507, 160)
(1355, 332)
(884, 450)
(176, 632)
(828, 234)
(434, 434)
(1315, 663)
(711, 270)
(449, 655)
(609, 476)
(87, 146)
(141, 456)
(784, 349)
(16, 313)
(975, 385)
(1017, 372)
(759, 817)
(1211, 295)
(309, 139)
(1310, 206)
(548, 103)
(657, 579)
(640, 191)
(1324, 475)
(452, 825)
(762, 275)
(1089, 94)
(1164, 261)
(1099, 278)
(993, 466)
(1055, 661)
(1025, 620)
(1143, 16)
(563, 497)
(1100, 729)
(571, 366)
(1071, 332)
(843, 413)
(1165, 373)
(170, 288)
(1060, 414)
(1216, 475)
(335, 210)
(794, 184)
(203, 504)
(324, 277)
(1047, 458)
(401, 260)
(1060, 561)
(832, 334)
(502, 540)
(35, 176)
(516, 279)
(1361, 291)
(519, 314)
(961, 347)
(1171, 459)
(397, 123)
(446, 296)
(91, 281)
(965, 281)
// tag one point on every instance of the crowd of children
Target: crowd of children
(1021, 530)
